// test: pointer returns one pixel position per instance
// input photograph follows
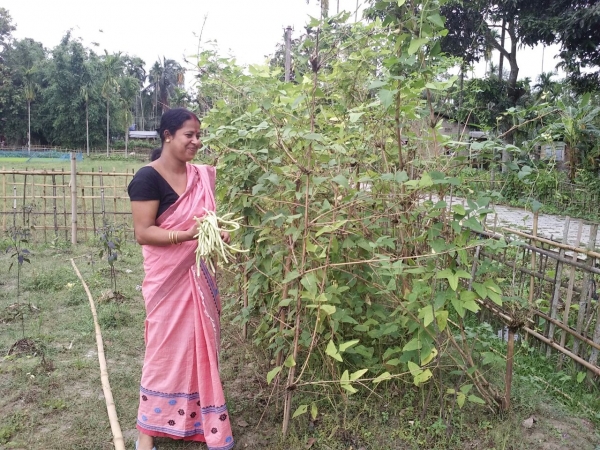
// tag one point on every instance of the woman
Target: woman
(181, 395)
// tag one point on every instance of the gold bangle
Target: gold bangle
(171, 237)
(176, 239)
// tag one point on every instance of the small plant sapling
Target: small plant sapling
(18, 236)
(111, 237)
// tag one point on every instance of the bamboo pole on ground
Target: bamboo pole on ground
(110, 403)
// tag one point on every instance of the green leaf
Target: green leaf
(426, 313)
(386, 97)
(415, 45)
(291, 276)
(332, 351)
(436, 19)
(328, 309)
(273, 373)
(383, 377)
(355, 116)
(442, 319)
(313, 411)
(356, 375)
(460, 399)
(301, 410)
(313, 137)
(346, 345)
(413, 344)
(475, 399)
(580, 377)
(289, 362)
(341, 180)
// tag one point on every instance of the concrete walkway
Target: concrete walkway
(549, 226)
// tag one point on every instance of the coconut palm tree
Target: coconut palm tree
(165, 75)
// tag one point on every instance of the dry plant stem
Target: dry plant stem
(292, 372)
(110, 403)
(282, 312)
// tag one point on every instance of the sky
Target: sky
(246, 29)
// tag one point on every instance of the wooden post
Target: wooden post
(510, 351)
(73, 199)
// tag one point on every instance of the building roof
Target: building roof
(143, 134)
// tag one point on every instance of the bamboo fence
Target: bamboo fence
(62, 204)
(554, 284)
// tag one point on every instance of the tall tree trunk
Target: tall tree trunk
(28, 125)
(107, 129)
(87, 129)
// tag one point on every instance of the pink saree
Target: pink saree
(181, 395)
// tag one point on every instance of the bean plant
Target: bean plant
(359, 272)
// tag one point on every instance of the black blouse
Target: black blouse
(148, 184)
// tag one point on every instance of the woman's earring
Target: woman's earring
(167, 140)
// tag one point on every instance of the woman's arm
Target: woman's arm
(146, 231)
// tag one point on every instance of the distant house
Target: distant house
(456, 130)
(552, 151)
(143, 134)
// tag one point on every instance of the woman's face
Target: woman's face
(186, 142)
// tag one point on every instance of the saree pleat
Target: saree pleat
(181, 395)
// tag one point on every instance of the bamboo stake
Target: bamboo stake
(557, 278)
(102, 204)
(5, 210)
(532, 278)
(54, 205)
(73, 199)
(585, 297)
(45, 210)
(64, 207)
(108, 397)
(93, 208)
(85, 227)
(114, 197)
(14, 202)
(563, 337)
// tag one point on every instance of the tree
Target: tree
(22, 65)
(112, 66)
(165, 76)
(573, 24)
(6, 28)
(29, 89)
(577, 125)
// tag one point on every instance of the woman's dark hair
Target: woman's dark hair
(171, 121)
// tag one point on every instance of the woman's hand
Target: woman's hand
(226, 237)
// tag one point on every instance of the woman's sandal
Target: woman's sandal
(136, 446)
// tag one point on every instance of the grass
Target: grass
(51, 393)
